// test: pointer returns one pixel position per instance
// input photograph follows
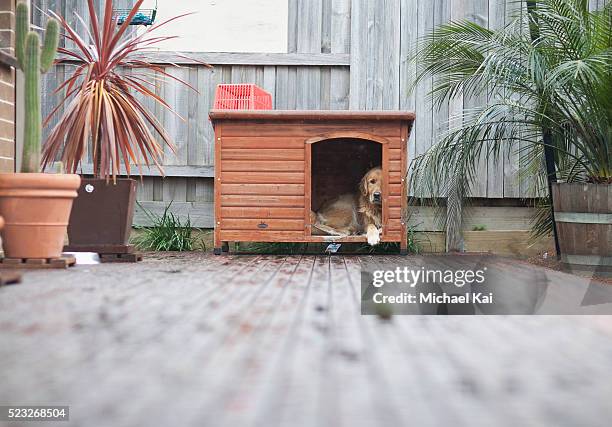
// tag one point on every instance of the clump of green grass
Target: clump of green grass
(168, 233)
(479, 228)
(415, 245)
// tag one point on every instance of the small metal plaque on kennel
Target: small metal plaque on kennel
(275, 169)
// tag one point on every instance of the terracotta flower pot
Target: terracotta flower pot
(36, 208)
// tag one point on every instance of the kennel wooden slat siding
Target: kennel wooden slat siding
(264, 188)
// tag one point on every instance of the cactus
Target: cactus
(33, 61)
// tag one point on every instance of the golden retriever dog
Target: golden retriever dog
(354, 214)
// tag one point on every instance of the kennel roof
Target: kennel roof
(310, 115)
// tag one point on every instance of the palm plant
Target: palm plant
(548, 76)
(100, 102)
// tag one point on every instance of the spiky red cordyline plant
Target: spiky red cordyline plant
(101, 108)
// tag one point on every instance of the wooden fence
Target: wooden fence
(342, 54)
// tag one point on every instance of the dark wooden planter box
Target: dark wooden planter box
(273, 167)
(101, 217)
(583, 213)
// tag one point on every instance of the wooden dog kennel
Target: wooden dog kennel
(272, 167)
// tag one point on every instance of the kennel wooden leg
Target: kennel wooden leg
(217, 241)
(404, 244)
(217, 245)
(221, 248)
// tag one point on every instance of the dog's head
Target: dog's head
(371, 186)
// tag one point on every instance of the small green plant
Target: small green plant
(479, 227)
(168, 233)
(33, 61)
(414, 244)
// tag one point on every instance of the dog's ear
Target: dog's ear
(363, 185)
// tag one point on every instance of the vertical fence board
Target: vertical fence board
(455, 106)
(325, 89)
(389, 69)
(203, 140)
(282, 88)
(175, 189)
(340, 77)
(205, 190)
(359, 42)
(144, 190)
(326, 25)
(309, 26)
(308, 90)
(478, 12)
(495, 169)
(374, 54)
(292, 25)
(175, 119)
(441, 112)
(340, 87)
(423, 130)
(527, 187)
(511, 158)
(408, 68)
(341, 26)
(292, 84)
(194, 154)
(269, 82)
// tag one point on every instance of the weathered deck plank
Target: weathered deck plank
(279, 341)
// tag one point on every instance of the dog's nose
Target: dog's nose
(376, 196)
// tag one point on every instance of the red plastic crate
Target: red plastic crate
(242, 97)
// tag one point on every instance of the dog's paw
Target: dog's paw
(373, 237)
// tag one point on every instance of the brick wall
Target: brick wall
(7, 86)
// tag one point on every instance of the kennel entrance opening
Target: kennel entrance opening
(336, 166)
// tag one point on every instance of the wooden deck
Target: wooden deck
(197, 340)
